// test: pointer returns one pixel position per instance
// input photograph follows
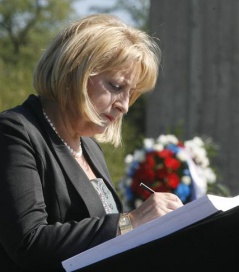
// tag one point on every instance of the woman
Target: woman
(56, 195)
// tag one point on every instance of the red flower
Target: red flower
(165, 153)
(172, 163)
(144, 173)
(149, 159)
(161, 187)
(180, 144)
(173, 180)
(161, 173)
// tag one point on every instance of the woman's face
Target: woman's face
(110, 92)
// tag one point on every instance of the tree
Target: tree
(25, 28)
(138, 10)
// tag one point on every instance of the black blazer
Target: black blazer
(49, 211)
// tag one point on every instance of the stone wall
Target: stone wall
(198, 86)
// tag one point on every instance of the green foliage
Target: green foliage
(138, 10)
(219, 189)
(15, 84)
(26, 26)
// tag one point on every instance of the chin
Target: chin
(100, 129)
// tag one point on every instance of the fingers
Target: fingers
(158, 204)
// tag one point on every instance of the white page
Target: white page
(182, 217)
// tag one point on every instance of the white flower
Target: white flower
(139, 155)
(128, 159)
(167, 139)
(209, 175)
(199, 155)
(197, 152)
(162, 139)
(148, 143)
(186, 180)
(198, 141)
(181, 155)
(158, 147)
(204, 162)
(172, 139)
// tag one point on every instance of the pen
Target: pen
(147, 188)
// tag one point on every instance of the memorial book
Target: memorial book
(176, 220)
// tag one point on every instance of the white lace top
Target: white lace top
(105, 195)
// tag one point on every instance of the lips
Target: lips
(109, 117)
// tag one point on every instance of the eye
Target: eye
(116, 87)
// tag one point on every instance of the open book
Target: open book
(180, 218)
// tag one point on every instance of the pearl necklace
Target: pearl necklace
(76, 154)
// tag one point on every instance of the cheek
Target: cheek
(93, 87)
(98, 95)
(102, 102)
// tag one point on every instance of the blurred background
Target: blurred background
(197, 93)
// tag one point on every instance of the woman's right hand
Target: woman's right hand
(156, 205)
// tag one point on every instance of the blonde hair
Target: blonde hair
(89, 46)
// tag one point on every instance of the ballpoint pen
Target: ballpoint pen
(147, 188)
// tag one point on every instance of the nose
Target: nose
(122, 102)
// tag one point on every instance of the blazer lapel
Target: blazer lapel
(79, 179)
(95, 155)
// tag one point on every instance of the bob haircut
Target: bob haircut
(87, 47)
